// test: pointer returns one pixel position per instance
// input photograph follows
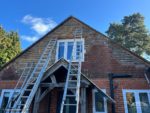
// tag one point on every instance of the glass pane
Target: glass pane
(61, 49)
(79, 50)
(131, 103)
(69, 48)
(145, 104)
(5, 99)
(99, 102)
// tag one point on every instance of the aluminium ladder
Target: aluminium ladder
(20, 84)
(73, 76)
(26, 96)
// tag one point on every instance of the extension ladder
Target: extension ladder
(20, 84)
(26, 95)
(73, 76)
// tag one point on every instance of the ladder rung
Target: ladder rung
(24, 96)
(34, 77)
(69, 87)
(28, 89)
(72, 80)
(72, 74)
(70, 95)
(70, 104)
(20, 104)
(42, 60)
(13, 110)
(31, 83)
(74, 69)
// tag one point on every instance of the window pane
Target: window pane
(131, 103)
(79, 50)
(61, 50)
(99, 102)
(69, 48)
(5, 99)
(145, 105)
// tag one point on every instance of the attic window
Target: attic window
(65, 48)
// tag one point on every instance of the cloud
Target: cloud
(40, 25)
(29, 38)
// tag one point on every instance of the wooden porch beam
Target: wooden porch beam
(60, 84)
(83, 100)
(45, 93)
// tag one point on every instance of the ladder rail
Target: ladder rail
(79, 76)
(78, 81)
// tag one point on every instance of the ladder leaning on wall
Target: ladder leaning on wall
(73, 76)
(20, 84)
(26, 95)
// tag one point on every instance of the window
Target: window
(136, 101)
(99, 102)
(5, 96)
(65, 49)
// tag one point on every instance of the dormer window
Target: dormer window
(65, 48)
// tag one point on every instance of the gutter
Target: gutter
(111, 77)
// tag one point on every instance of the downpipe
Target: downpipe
(111, 84)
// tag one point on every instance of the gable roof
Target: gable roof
(65, 63)
(67, 19)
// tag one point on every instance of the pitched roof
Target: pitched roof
(67, 19)
(65, 63)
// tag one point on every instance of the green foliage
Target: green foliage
(131, 33)
(9, 46)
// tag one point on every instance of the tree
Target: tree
(131, 33)
(9, 45)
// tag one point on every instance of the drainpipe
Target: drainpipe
(146, 74)
(111, 77)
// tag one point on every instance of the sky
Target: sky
(34, 18)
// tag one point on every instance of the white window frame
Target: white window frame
(137, 99)
(105, 101)
(11, 94)
(65, 48)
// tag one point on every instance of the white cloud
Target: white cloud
(39, 25)
(29, 38)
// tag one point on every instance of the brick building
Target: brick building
(113, 79)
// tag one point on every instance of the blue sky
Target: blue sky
(33, 18)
